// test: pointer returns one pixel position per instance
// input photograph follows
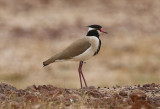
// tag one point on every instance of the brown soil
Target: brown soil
(145, 96)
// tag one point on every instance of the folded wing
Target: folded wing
(75, 49)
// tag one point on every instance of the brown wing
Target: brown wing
(75, 49)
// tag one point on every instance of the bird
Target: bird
(80, 50)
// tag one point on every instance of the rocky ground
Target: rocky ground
(145, 96)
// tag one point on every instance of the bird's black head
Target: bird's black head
(94, 30)
(95, 26)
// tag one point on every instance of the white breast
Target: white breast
(90, 51)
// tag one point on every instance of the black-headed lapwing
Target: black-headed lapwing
(80, 50)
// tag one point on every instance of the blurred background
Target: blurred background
(33, 30)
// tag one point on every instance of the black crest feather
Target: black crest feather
(95, 26)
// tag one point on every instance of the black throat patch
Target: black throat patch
(93, 33)
(96, 34)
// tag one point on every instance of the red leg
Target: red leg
(82, 74)
(79, 70)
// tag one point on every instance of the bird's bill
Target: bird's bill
(103, 31)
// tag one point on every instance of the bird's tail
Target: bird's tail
(49, 61)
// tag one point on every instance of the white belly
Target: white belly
(90, 51)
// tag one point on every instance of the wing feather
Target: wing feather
(75, 49)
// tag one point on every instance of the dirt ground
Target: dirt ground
(145, 96)
(32, 31)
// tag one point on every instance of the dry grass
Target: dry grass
(114, 65)
(32, 31)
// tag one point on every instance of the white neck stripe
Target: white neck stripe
(90, 29)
